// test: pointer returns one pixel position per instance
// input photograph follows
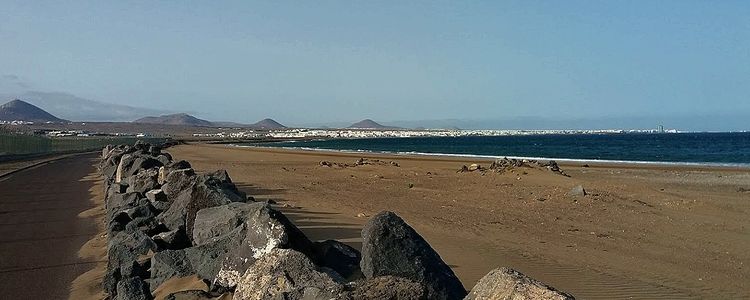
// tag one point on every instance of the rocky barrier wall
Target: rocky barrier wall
(167, 221)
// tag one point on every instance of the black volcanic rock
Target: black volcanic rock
(267, 124)
(18, 110)
(370, 124)
(390, 247)
(175, 119)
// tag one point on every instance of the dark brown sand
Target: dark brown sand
(40, 228)
(643, 232)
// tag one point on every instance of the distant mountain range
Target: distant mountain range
(75, 108)
(18, 110)
(184, 119)
(175, 119)
(370, 124)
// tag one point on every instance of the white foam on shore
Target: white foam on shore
(479, 156)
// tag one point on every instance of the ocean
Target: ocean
(721, 149)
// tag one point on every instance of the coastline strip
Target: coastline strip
(561, 161)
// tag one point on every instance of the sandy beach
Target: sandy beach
(641, 232)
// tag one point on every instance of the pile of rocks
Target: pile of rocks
(166, 221)
(360, 162)
(508, 164)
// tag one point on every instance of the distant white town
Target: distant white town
(405, 133)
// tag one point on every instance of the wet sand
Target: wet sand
(40, 228)
(642, 232)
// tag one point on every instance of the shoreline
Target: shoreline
(568, 162)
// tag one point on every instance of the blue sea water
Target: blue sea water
(698, 148)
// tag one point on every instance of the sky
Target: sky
(313, 62)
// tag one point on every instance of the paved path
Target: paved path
(40, 231)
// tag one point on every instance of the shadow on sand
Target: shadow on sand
(316, 225)
(253, 190)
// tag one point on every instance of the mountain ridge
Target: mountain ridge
(370, 124)
(182, 119)
(19, 110)
(267, 123)
(70, 107)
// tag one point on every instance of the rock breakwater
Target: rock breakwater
(166, 221)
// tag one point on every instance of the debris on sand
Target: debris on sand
(509, 164)
(577, 191)
(360, 162)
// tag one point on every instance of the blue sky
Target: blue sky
(337, 61)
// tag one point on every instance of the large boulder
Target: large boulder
(176, 181)
(133, 288)
(117, 202)
(172, 240)
(123, 250)
(214, 223)
(154, 150)
(132, 163)
(220, 179)
(389, 288)
(135, 241)
(111, 161)
(264, 229)
(167, 264)
(509, 284)
(182, 211)
(164, 158)
(105, 152)
(287, 274)
(143, 181)
(158, 200)
(167, 168)
(340, 257)
(121, 264)
(199, 192)
(156, 195)
(115, 188)
(204, 260)
(392, 248)
(140, 211)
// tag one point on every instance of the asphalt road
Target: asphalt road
(40, 231)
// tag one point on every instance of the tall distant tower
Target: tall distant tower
(661, 128)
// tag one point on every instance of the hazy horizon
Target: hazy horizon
(682, 64)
